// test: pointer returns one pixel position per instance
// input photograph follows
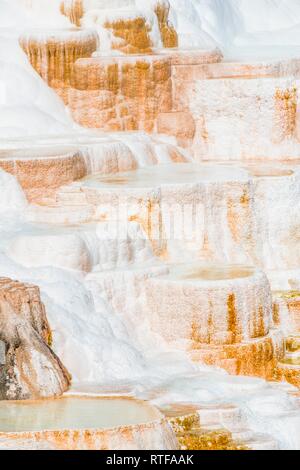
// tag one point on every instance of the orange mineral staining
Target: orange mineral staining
(285, 113)
(168, 33)
(132, 35)
(53, 54)
(43, 170)
(232, 316)
(73, 9)
(122, 93)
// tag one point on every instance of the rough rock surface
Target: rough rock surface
(29, 369)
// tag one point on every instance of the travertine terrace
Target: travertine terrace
(54, 53)
(149, 229)
(225, 316)
(127, 93)
(84, 423)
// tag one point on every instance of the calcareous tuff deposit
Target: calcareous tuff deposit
(149, 224)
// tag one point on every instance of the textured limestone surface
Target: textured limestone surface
(189, 304)
(43, 169)
(29, 368)
(264, 122)
(131, 30)
(276, 201)
(218, 315)
(53, 53)
(257, 357)
(286, 310)
(121, 93)
(181, 204)
(42, 166)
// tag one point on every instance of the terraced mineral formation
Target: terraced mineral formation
(43, 166)
(29, 369)
(123, 93)
(83, 423)
(180, 123)
(265, 97)
(76, 9)
(126, 93)
(214, 428)
(52, 53)
(168, 33)
(240, 340)
(183, 307)
(131, 35)
(73, 9)
(43, 170)
(275, 186)
(130, 29)
(181, 204)
(286, 310)
(286, 305)
(179, 143)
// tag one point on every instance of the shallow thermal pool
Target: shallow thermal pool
(73, 413)
(181, 173)
(196, 271)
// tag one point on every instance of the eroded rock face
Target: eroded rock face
(29, 369)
